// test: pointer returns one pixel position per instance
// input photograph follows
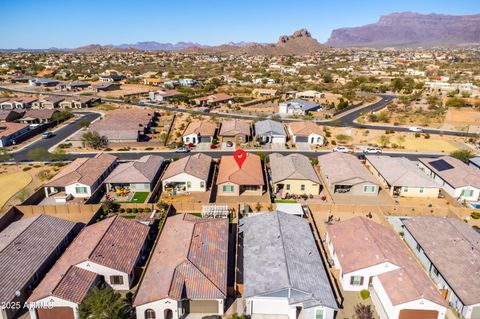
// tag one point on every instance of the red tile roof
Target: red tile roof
(249, 174)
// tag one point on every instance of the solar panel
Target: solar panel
(441, 165)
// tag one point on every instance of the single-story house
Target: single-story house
(187, 271)
(191, 173)
(344, 173)
(81, 178)
(23, 263)
(153, 81)
(236, 131)
(18, 103)
(233, 180)
(261, 92)
(298, 107)
(309, 94)
(199, 132)
(43, 82)
(112, 78)
(107, 251)
(305, 132)
(269, 131)
(214, 99)
(137, 176)
(77, 103)
(449, 250)
(458, 179)
(475, 162)
(10, 115)
(401, 177)
(50, 102)
(370, 256)
(38, 116)
(120, 126)
(9, 131)
(106, 87)
(293, 174)
(163, 95)
(187, 82)
(77, 85)
(283, 272)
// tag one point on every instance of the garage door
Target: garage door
(476, 313)
(205, 139)
(278, 140)
(418, 314)
(55, 313)
(301, 139)
(203, 306)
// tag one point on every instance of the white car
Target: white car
(415, 129)
(342, 149)
(372, 150)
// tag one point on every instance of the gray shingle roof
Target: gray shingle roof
(280, 253)
(269, 127)
(25, 246)
(303, 105)
(293, 166)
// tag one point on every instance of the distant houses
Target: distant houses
(214, 99)
(163, 95)
(297, 107)
(11, 130)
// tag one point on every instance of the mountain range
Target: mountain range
(408, 29)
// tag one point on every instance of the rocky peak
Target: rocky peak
(302, 33)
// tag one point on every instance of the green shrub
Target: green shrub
(26, 169)
(364, 294)
(140, 210)
(121, 210)
(475, 215)
(149, 149)
(129, 210)
(135, 210)
(427, 136)
(417, 135)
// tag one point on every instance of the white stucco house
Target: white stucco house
(187, 272)
(297, 107)
(458, 179)
(107, 251)
(449, 250)
(189, 174)
(283, 272)
(199, 132)
(372, 257)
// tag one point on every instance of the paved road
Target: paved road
(60, 135)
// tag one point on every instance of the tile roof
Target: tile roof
(345, 169)
(360, 243)
(204, 128)
(280, 253)
(304, 128)
(235, 127)
(25, 246)
(453, 246)
(197, 165)
(251, 172)
(143, 170)
(459, 175)
(218, 97)
(10, 128)
(189, 261)
(115, 243)
(400, 171)
(293, 166)
(268, 127)
(40, 113)
(83, 170)
(4, 114)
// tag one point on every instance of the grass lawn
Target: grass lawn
(10, 184)
(138, 197)
(285, 201)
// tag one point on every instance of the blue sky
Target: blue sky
(67, 24)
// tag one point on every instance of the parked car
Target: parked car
(415, 129)
(372, 150)
(342, 149)
(47, 135)
(229, 143)
(182, 150)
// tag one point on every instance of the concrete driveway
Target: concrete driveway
(303, 146)
(202, 146)
(277, 146)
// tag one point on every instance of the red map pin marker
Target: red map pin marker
(240, 156)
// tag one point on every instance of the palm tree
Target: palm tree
(104, 303)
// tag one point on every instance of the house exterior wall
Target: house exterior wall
(295, 186)
(51, 302)
(313, 139)
(279, 306)
(423, 192)
(160, 306)
(195, 182)
(71, 189)
(235, 191)
(191, 138)
(106, 273)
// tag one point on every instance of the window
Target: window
(319, 314)
(80, 190)
(435, 271)
(202, 184)
(189, 184)
(187, 140)
(421, 189)
(302, 187)
(227, 188)
(116, 280)
(149, 314)
(287, 187)
(419, 248)
(356, 280)
(405, 189)
(467, 193)
(369, 189)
